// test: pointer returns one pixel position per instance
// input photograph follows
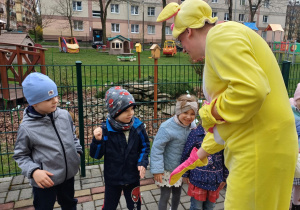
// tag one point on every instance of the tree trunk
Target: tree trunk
(71, 26)
(163, 30)
(103, 22)
(7, 15)
(103, 15)
(230, 9)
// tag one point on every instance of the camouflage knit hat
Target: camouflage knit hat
(117, 100)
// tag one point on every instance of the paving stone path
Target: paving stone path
(16, 193)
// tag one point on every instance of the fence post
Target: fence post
(286, 72)
(155, 92)
(80, 113)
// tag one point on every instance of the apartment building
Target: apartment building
(21, 14)
(132, 19)
(136, 19)
(269, 12)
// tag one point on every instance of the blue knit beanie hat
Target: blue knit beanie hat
(117, 100)
(38, 87)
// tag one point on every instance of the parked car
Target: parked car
(94, 44)
(178, 46)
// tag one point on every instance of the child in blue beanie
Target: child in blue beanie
(47, 149)
(124, 143)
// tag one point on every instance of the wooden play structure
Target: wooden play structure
(169, 48)
(119, 45)
(277, 32)
(68, 44)
(12, 76)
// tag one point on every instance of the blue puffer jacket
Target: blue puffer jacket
(207, 177)
(121, 160)
(168, 146)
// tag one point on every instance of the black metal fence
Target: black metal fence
(81, 91)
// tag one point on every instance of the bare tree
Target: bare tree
(230, 9)
(293, 20)
(253, 6)
(36, 20)
(65, 9)
(103, 15)
(272, 5)
(7, 15)
(163, 29)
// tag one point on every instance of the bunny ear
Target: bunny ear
(168, 12)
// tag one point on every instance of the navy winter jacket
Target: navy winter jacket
(207, 177)
(121, 160)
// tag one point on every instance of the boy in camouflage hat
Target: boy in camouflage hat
(123, 140)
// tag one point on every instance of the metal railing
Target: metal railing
(81, 91)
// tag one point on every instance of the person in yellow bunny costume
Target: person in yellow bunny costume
(247, 112)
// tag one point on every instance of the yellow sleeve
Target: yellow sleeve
(209, 144)
(230, 55)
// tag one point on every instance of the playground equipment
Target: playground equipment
(12, 76)
(286, 50)
(169, 48)
(68, 44)
(126, 58)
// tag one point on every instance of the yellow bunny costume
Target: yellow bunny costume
(243, 81)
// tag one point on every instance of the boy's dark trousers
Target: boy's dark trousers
(44, 199)
(131, 194)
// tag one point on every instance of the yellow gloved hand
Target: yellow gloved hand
(192, 162)
(208, 120)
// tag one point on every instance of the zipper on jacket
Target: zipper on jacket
(52, 120)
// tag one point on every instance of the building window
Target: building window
(242, 2)
(265, 19)
(214, 1)
(168, 30)
(116, 45)
(78, 25)
(115, 27)
(134, 10)
(151, 11)
(134, 28)
(264, 34)
(151, 29)
(214, 14)
(77, 6)
(114, 8)
(96, 13)
(241, 17)
(266, 3)
(226, 16)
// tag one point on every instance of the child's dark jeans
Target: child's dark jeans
(131, 194)
(44, 199)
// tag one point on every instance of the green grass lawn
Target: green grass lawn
(92, 57)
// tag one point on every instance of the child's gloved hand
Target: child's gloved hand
(98, 133)
(192, 162)
(142, 171)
